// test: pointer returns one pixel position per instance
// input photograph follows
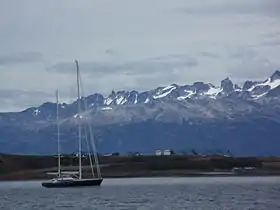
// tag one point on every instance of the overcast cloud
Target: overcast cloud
(129, 44)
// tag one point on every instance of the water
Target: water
(148, 193)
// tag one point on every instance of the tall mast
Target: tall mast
(91, 139)
(79, 118)
(58, 135)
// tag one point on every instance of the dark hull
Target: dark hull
(72, 183)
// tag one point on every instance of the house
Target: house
(168, 152)
(158, 152)
(164, 152)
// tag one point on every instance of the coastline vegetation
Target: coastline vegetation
(30, 167)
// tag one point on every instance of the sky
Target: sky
(131, 45)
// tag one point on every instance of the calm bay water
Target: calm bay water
(148, 193)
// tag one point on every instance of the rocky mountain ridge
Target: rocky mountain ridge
(197, 116)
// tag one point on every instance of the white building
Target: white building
(167, 152)
(164, 152)
(158, 152)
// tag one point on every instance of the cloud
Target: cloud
(271, 43)
(247, 63)
(162, 64)
(139, 75)
(20, 58)
(249, 7)
(120, 48)
(17, 100)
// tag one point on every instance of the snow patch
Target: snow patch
(164, 94)
(258, 96)
(136, 99)
(189, 94)
(168, 87)
(147, 100)
(272, 85)
(107, 108)
(269, 83)
(121, 100)
(108, 101)
(36, 112)
(213, 92)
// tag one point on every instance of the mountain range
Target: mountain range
(244, 120)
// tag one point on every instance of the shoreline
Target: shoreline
(23, 167)
(162, 174)
(135, 177)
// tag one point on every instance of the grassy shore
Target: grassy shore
(23, 167)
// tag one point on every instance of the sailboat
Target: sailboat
(74, 178)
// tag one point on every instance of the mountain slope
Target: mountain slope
(244, 120)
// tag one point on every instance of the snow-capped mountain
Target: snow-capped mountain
(252, 91)
(201, 116)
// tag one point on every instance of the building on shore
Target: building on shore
(166, 152)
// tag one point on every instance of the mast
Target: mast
(58, 135)
(94, 152)
(91, 140)
(79, 118)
